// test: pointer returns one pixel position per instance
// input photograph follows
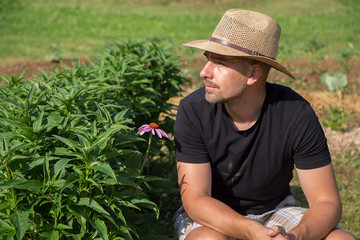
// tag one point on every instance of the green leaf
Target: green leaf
(146, 203)
(69, 181)
(37, 162)
(22, 184)
(54, 119)
(60, 166)
(54, 235)
(63, 226)
(100, 226)
(5, 77)
(105, 113)
(5, 225)
(31, 94)
(68, 142)
(106, 169)
(83, 141)
(79, 212)
(104, 137)
(38, 122)
(120, 115)
(94, 130)
(16, 124)
(46, 169)
(127, 182)
(92, 204)
(20, 222)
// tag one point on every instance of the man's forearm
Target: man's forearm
(318, 221)
(218, 216)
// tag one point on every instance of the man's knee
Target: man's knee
(339, 234)
(205, 233)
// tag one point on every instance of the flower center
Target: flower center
(154, 125)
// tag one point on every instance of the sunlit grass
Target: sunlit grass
(28, 27)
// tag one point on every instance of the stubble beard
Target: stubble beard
(217, 97)
(212, 97)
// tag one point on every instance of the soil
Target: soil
(308, 84)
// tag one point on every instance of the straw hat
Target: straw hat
(246, 34)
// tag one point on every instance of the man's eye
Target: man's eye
(219, 63)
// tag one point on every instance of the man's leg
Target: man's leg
(339, 234)
(205, 233)
(186, 228)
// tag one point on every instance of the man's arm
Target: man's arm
(195, 189)
(324, 213)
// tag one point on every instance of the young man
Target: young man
(238, 139)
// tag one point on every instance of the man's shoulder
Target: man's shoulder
(283, 93)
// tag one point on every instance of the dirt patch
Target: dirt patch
(35, 67)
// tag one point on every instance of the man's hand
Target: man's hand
(257, 231)
(279, 230)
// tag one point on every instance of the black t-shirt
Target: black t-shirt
(251, 169)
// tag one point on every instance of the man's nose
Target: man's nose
(207, 70)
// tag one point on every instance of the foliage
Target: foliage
(346, 55)
(336, 83)
(69, 152)
(312, 47)
(337, 118)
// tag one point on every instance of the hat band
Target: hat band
(245, 50)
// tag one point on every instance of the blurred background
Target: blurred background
(320, 44)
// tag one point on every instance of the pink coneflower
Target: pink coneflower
(154, 128)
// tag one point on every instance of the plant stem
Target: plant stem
(147, 153)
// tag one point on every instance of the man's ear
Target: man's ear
(255, 74)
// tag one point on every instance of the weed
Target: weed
(337, 118)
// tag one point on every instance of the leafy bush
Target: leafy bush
(70, 155)
(337, 118)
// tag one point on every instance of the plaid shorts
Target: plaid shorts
(287, 214)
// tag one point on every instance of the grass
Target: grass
(347, 169)
(83, 28)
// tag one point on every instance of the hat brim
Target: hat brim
(218, 48)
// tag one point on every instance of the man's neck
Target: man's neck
(246, 111)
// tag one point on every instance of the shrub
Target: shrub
(337, 118)
(70, 155)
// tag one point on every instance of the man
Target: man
(238, 139)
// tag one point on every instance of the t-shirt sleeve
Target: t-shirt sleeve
(310, 145)
(189, 144)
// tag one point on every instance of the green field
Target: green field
(40, 29)
(70, 29)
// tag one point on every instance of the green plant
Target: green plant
(70, 157)
(336, 83)
(337, 118)
(312, 48)
(346, 55)
(56, 52)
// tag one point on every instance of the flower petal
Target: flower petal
(141, 132)
(158, 132)
(153, 131)
(143, 129)
(162, 132)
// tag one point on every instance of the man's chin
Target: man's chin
(212, 98)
